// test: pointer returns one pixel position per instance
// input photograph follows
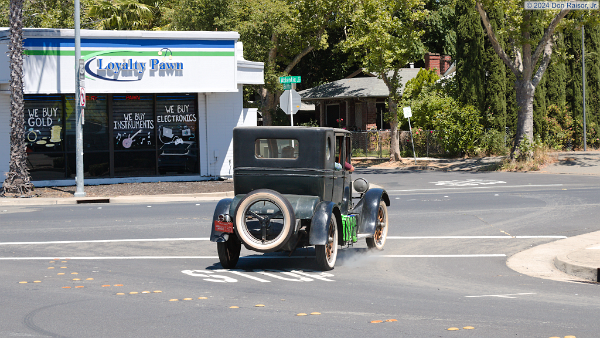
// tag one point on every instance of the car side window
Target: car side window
(276, 148)
(339, 150)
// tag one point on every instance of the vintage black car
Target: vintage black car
(291, 190)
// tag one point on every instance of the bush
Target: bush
(557, 131)
(493, 143)
(457, 125)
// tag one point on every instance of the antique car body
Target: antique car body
(291, 191)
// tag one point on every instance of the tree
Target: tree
(526, 54)
(17, 179)
(279, 33)
(470, 55)
(439, 29)
(383, 35)
(126, 14)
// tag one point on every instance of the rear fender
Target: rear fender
(369, 208)
(222, 208)
(320, 222)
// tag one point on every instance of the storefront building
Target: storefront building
(159, 105)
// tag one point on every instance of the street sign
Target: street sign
(81, 69)
(287, 86)
(289, 79)
(82, 96)
(407, 112)
(284, 101)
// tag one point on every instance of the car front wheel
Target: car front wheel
(327, 254)
(381, 229)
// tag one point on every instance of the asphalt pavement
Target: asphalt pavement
(575, 259)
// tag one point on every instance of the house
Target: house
(358, 102)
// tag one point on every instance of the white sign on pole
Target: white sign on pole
(407, 112)
(82, 96)
(284, 101)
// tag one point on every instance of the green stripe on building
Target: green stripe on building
(125, 53)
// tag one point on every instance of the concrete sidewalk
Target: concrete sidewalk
(575, 163)
(574, 259)
(214, 196)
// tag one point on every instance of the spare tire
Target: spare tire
(264, 220)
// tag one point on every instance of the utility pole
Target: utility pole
(78, 110)
(583, 73)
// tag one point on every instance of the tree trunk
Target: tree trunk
(268, 105)
(395, 138)
(17, 179)
(525, 92)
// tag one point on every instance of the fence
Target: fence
(377, 143)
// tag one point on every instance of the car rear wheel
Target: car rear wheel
(327, 254)
(381, 229)
(264, 220)
(229, 252)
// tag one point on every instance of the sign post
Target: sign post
(290, 100)
(79, 73)
(407, 114)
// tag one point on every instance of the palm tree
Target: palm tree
(125, 14)
(17, 179)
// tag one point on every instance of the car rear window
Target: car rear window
(276, 148)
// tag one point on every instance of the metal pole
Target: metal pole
(583, 75)
(79, 128)
(290, 105)
(411, 141)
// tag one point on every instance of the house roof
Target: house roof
(353, 87)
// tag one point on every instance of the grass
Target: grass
(541, 158)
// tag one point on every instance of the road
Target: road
(106, 270)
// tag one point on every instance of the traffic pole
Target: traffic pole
(78, 126)
(583, 84)
(290, 105)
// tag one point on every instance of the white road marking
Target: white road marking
(209, 277)
(243, 274)
(109, 241)
(243, 257)
(297, 275)
(510, 295)
(473, 237)
(477, 187)
(441, 256)
(469, 182)
(594, 248)
(206, 239)
(106, 257)
(296, 278)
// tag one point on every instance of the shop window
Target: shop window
(177, 129)
(44, 123)
(48, 166)
(95, 164)
(95, 127)
(133, 122)
(135, 163)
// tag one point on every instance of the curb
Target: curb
(540, 261)
(134, 199)
(568, 266)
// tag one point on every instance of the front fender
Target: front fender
(319, 224)
(222, 208)
(369, 207)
